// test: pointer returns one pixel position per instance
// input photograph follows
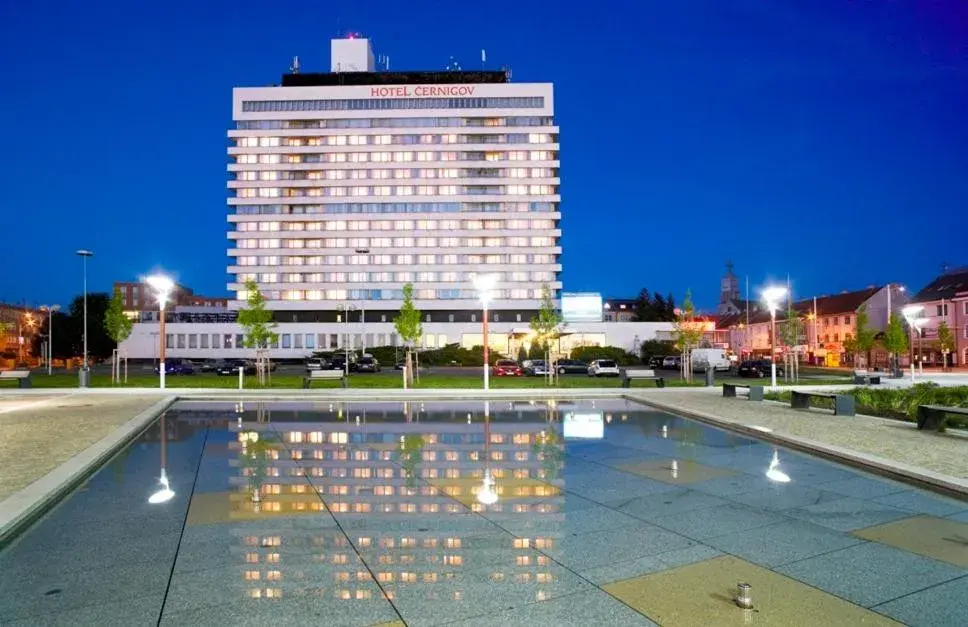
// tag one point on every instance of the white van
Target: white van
(712, 357)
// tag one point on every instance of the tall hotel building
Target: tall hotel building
(345, 186)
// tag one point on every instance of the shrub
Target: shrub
(591, 353)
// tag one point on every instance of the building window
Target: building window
(333, 340)
(450, 317)
(383, 318)
(496, 318)
(203, 338)
(517, 317)
(297, 339)
(846, 319)
(181, 340)
(943, 310)
(239, 340)
(427, 318)
(286, 340)
(473, 317)
(215, 340)
(169, 340)
(192, 340)
(310, 341)
(227, 341)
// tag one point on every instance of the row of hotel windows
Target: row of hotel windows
(404, 173)
(392, 140)
(362, 455)
(401, 242)
(398, 207)
(390, 473)
(383, 277)
(402, 156)
(362, 104)
(521, 224)
(389, 294)
(406, 259)
(297, 340)
(414, 122)
(399, 190)
(385, 542)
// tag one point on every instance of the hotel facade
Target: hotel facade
(346, 186)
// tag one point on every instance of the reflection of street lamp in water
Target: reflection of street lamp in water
(773, 473)
(487, 495)
(165, 493)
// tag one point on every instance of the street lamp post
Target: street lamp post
(912, 314)
(163, 286)
(484, 283)
(363, 251)
(773, 296)
(84, 374)
(346, 308)
(50, 333)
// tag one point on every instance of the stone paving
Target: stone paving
(892, 440)
(39, 433)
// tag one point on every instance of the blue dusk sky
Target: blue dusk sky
(826, 140)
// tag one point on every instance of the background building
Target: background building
(945, 299)
(619, 310)
(138, 298)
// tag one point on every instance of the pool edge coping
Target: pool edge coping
(23, 507)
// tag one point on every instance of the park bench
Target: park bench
(755, 391)
(843, 403)
(324, 375)
(933, 416)
(641, 375)
(21, 376)
(865, 377)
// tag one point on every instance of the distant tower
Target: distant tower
(728, 289)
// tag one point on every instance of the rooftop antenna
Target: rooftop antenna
(384, 62)
(507, 71)
(483, 58)
(453, 66)
(294, 67)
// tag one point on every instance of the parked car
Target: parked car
(506, 368)
(714, 358)
(368, 363)
(231, 367)
(209, 365)
(571, 366)
(655, 361)
(603, 368)
(314, 363)
(672, 361)
(758, 368)
(176, 366)
(535, 367)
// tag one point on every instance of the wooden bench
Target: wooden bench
(21, 376)
(933, 416)
(641, 375)
(324, 375)
(865, 377)
(843, 403)
(755, 391)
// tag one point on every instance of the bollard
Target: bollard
(710, 376)
(744, 597)
(241, 374)
(675, 469)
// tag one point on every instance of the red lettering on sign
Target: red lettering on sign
(403, 91)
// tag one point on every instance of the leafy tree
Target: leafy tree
(864, 335)
(644, 309)
(688, 333)
(408, 326)
(591, 353)
(100, 345)
(946, 342)
(257, 323)
(545, 325)
(656, 348)
(118, 327)
(895, 339)
(790, 331)
(522, 354)
(669, 315)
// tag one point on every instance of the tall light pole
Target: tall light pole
(912, 313)
(347, 308)
(484, 283)
(84, 373)
(772, 296)
(363, 251)
(50, 309)
(162, 285)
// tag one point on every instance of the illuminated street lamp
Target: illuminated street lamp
(484, 283)
(912, 313)
(50, 333)
(162, 285)
(772, 296)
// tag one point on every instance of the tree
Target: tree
(643, 308)
(688, 333)
(522, 354)
(946, 342)
(545, 324)
(407, 324)
(256, 322)
(895, 339)
(863, 339)
(119, 328)
(99, 343)
(790, 331)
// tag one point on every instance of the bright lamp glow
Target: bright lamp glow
(910, 312)
(162, 285)
(163, 495)
(484, 283)
(486, 495)
(773, 473)
(773, 296)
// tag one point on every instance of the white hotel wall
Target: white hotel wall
(143, 342)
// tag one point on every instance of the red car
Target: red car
(506, 368)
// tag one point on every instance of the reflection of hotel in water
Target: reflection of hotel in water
(378, 469)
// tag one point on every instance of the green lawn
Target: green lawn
(427, 381)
